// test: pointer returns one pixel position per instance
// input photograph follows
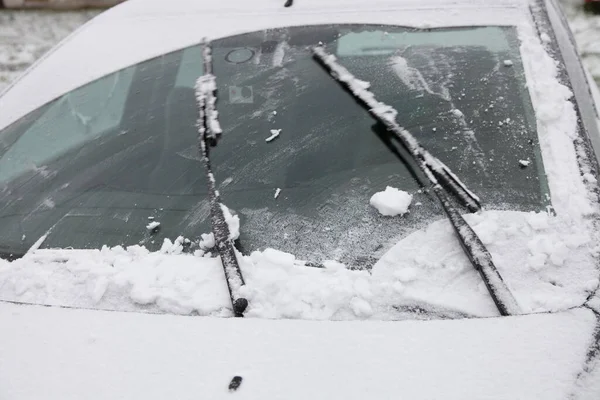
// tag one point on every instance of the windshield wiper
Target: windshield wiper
(438, 174)
(209, 132)
(435, 170)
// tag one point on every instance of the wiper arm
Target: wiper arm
(435, 171)
(209, 132)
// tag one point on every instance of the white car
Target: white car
(399, 196)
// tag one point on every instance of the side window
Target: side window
(77, 117)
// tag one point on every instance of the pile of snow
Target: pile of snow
(545, 260)
(208, 239)
(152, 225)
(391, 201)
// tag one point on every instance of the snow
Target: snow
(589, 178)
(274, 134)
(457, 113)
(542, 258)
(37, 243)
(26, 36)
(279, 54)
(57, 353)
(585, 28)
(233, 222)
(153, 225)
(406, 275)
(557, 127)
(391, 201)
(206, 86)
(207, 241)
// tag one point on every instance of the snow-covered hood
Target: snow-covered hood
(54, 353)
(138, 30)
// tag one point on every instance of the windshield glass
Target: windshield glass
(97, 164)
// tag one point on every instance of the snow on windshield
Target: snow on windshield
(547, 258)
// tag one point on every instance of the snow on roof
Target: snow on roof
(138, 30)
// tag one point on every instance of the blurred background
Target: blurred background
(29, 28)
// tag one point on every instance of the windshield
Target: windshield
(97, 164)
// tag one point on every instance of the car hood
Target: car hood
(57, 353)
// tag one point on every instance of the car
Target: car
(399, 197)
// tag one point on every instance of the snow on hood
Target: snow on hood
(52, 353)
(138, 30)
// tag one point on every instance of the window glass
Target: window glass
(94, 164)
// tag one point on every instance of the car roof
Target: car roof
(138, 30)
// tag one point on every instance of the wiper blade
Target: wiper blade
(209, 132)
(435, 171)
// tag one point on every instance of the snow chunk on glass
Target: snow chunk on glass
(153, 225)
(391, 201)
(233, 223)
(274, 134)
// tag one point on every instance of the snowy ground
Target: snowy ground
(586, 28)
(25, 36)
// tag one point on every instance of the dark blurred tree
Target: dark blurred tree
(591, 7)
